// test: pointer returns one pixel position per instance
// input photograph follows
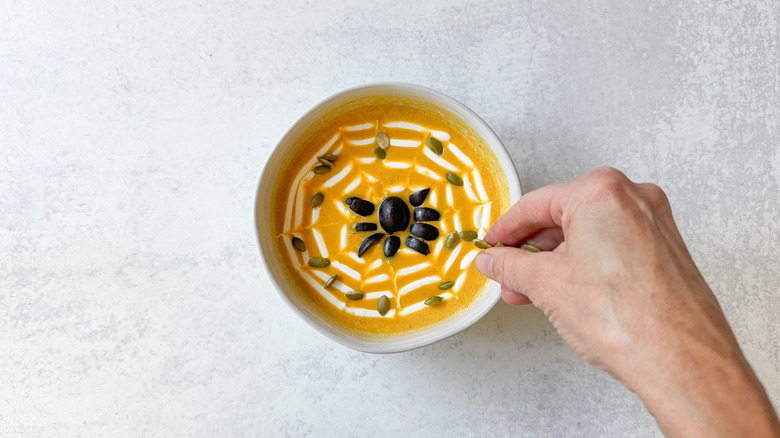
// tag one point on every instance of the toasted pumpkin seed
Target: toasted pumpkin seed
(329, 282)
(531, 248)
(319, 170)
(435, 146)
(468, 235)
(380, 153)
(355, 295)
(451, 240)
(298, 244)
(324, 161)
(316, 200)
(383, 305)
(382, 140)
(446, 285)
(319, 262)
(481, 244)
(454, 179)
(434, 300)
(332, 158)
(498, 245)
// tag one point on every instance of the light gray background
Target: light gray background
(133, 301)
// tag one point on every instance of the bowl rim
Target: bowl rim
(435, 332)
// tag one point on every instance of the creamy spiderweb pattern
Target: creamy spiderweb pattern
(377, 276)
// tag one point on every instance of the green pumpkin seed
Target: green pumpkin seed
(435, 146)
(380, 153)
(324, 161)
(498, 245)
(446, 285)
(454, 179)
(332, 158)
(531, 248)
(316, 200)
(451, 240)
(434, 300)
(298, 244)
(330, 281)
(319, 170)
(468, 235)
(481, 244)
(383, 305)
(355, 295)
(382, 140)
(319, 262)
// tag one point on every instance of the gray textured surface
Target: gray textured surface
(132, 297)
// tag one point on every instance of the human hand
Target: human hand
(617, 282)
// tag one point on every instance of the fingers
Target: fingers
(513, 298)
(536, 210)
(522, 274)
(547, 239)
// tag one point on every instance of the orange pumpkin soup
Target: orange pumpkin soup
(377, 212)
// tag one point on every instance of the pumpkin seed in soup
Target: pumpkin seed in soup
(330, 281)
(319, 262)
(454, 179)
(435, 146)
(380, 153)
(434, 300)
(332, 158)
(316, 200)
(324, 161)
(451, 240)
(446, 285)
(298, 244)
(468, 235)
(383, 305)
(319, 170)
(382, 140)
(355, 295)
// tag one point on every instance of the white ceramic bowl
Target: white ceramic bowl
(288, 289)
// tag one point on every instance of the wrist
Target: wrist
(706, 389)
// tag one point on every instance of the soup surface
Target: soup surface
(376, 212)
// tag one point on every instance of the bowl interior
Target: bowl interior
(295, 137)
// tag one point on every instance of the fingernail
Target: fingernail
(484, 264)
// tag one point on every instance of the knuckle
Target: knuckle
(609, 183)
(608, 174)
(655, 195)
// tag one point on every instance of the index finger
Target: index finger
(536, 210)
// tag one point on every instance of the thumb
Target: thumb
(516, 269)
